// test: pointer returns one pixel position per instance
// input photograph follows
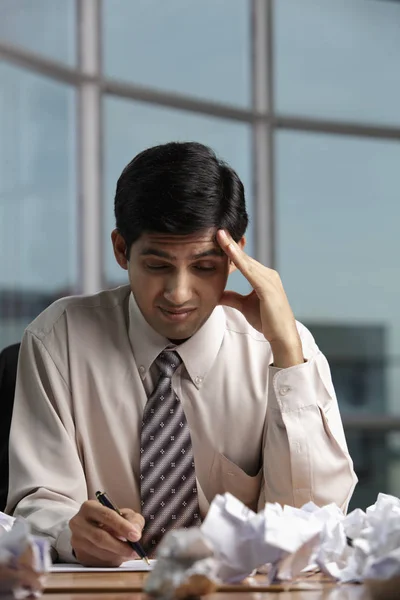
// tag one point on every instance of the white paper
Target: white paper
(375, 542)
(244, 541)
(290, 540)
(236, 534)
(130, 565)
(352, 548)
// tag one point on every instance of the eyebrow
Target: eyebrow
(162, 254)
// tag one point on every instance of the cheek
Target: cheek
(144, 286)
(213, 289)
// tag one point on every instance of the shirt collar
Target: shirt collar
(197, 353)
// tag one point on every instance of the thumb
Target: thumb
(232, 299)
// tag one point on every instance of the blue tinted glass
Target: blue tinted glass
(376, 462)
(37, 197)
(132, 126)
(44, 26)
(338, 247)
(196, 47)
(338, 59)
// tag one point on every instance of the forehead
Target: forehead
(179, 245)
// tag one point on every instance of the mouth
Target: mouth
(177, 315)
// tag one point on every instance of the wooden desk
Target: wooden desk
(128, 586)
(323, 595)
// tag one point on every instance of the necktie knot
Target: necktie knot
(168, 361)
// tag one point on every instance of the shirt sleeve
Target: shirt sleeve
(305, 451)
(47, 482)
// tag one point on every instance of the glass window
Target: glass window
(376, 459)
(196, 47)
(338, 247)
(43, 26)
(338, 60)
(37, 197)
(133, 126)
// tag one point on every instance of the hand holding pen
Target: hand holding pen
(97, 531)
(136, 546)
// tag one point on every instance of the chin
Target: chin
(176, 332)
(179, 334)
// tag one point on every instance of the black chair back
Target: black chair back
(8, 375)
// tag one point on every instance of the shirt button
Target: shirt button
(284, 390)
(198, 380)
(141, 369)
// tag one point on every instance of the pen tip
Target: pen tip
(147, 560)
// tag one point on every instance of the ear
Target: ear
(241, 243)
(119, 246)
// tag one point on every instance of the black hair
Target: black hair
(178, 188)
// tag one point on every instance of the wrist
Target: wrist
(287, 354)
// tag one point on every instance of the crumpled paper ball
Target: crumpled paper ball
(185, 566)
(24, 560)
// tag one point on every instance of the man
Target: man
(170, 390)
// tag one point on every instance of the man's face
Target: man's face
(177, 281)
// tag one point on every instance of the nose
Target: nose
(177, 289)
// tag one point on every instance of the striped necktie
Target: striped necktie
(168, 479)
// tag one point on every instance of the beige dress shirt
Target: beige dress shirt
(85, 371)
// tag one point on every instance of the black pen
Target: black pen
(137, 547)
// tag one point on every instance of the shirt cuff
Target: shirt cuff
(63, 546)
(293, 388)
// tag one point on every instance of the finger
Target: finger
(98, 537)
(101, 545)
(229, 246)
(90, 555)
(249, 267)
(108, 518)
(136, 519)
(232, 299)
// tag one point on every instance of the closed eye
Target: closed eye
(157, 267)
(196, 267)
(201, 268)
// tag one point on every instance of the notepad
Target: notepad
(130, 565)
